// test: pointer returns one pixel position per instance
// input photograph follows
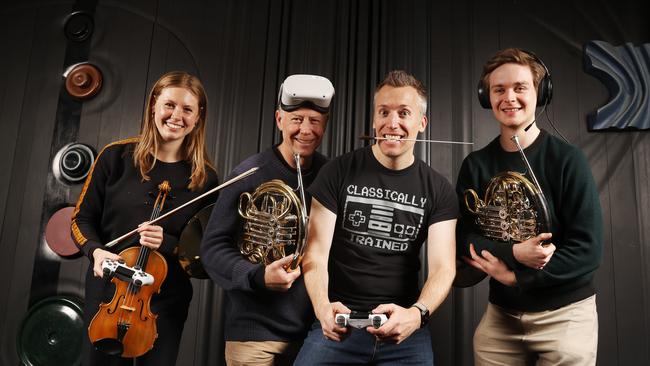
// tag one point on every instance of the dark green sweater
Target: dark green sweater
(565, 178)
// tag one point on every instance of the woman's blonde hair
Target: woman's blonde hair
(193, 148)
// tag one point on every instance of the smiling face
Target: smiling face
(302, 132)
(398, 114)
(176, 113)
(513, 95)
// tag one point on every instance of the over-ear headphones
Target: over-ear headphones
(544, 89)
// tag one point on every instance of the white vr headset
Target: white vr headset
(306, 91)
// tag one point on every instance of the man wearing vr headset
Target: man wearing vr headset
(267, 309)
(372, 210)
(542, 305)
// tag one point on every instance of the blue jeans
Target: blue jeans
(360, 347)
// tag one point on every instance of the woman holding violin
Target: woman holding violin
(125, 190)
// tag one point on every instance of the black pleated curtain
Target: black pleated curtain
(242, 50)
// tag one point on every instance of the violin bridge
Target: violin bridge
(128, 308)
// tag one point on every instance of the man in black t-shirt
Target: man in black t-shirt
(372, 209)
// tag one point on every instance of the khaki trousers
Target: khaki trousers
(566, 336)
(266, 353)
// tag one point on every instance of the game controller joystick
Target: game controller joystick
(360, 319)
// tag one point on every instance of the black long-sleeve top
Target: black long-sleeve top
(254, 313)
(576, 223)
(115, 200)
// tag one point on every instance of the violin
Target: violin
(126, 326)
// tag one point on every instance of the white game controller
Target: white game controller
(119, 269)
(360, 319)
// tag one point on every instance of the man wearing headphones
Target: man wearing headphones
(542, 306)
(267, 309)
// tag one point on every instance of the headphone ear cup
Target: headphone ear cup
(483, 96)
(544, 91)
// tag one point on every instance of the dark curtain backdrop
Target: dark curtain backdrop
(243, 49)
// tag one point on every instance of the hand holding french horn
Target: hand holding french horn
(491, 265)
(532, 253)
(277, 278)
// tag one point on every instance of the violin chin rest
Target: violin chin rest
(110, 346)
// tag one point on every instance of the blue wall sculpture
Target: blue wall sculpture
(625, 71)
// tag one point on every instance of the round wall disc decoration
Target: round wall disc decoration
(51, 333)
(73, 162)
(78, 26)
(83, 80)
(57, 233)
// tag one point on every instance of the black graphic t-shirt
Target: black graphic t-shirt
(383, 217)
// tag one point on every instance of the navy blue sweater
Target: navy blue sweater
(254, 313)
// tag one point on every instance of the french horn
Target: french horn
(509, 211)
(275, 222)
(189, 243)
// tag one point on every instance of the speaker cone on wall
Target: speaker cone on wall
(83, 80)
(57, 233)
(52, 332)
(73, 162)
(78, 26)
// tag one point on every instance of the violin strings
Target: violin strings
(130, 290)
(125, 318)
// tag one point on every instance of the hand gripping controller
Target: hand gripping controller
(360, 319)
(118, 268)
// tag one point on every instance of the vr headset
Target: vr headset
(306, 91)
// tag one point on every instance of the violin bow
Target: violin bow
(219, 187)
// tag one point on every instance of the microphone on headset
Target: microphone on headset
(530, 125)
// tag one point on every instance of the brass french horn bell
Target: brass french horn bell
(275, 222)
(273, 226)
(189, 243)
(509, 211)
